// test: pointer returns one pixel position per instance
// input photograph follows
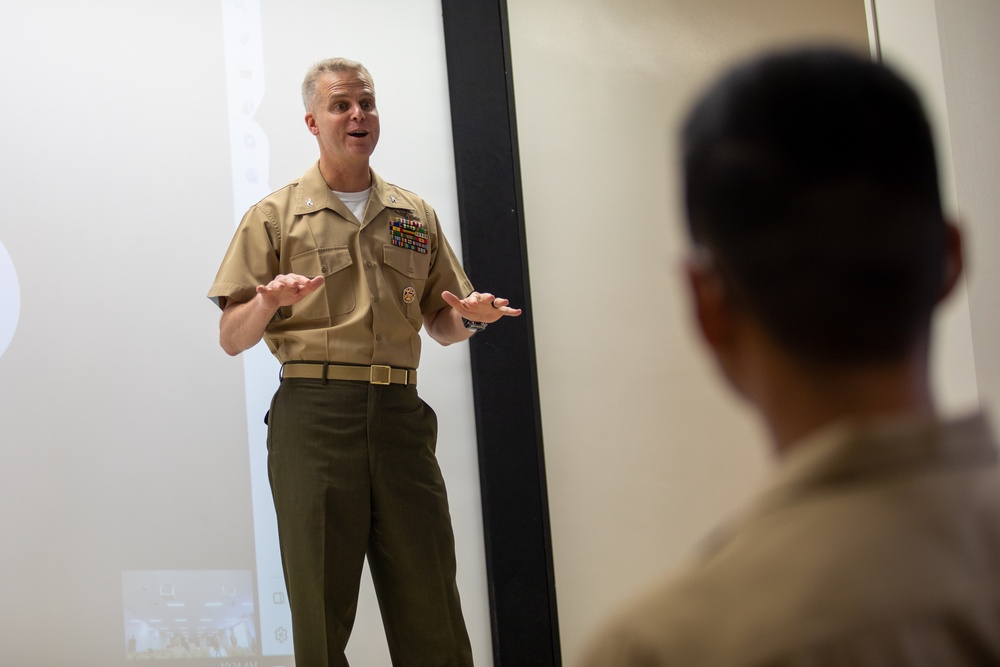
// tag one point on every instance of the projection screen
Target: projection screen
(136, 518)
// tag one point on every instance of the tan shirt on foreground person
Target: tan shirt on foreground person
(874, 545)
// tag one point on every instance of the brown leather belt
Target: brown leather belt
(371, 374)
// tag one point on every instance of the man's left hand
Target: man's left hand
(481, 306)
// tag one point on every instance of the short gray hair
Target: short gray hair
(331, 66)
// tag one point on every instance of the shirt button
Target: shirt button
(369, 264)
(378, 337)
(374, 299)
(323, 269)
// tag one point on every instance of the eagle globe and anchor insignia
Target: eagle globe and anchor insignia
(409, 295)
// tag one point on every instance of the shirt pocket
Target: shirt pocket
(406, 276)
(336, 296)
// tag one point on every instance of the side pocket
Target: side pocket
(336, 297)
(268, 418)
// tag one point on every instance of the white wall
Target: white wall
(908, 40)
(123, 425)
(645, 449)
(970, 56)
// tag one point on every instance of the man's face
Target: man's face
(344, 119)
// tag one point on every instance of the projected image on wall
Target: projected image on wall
(189, 614)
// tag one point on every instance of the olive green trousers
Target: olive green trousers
(353, 473)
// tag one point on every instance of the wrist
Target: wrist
(265, 309)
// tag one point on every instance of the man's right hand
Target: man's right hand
(243, 324)
(288, 289)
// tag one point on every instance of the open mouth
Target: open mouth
(358, 133)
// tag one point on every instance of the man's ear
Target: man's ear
(954, 259)
(730, 333)
(711, 305)
(311, 123)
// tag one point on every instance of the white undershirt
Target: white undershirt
(357, 202)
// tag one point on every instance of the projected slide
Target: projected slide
(189, 615)
(250, 170)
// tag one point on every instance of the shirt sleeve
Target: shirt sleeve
(446, 272)
(251, 260)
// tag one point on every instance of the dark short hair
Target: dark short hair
(810, 179)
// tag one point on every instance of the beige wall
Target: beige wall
(645, 449)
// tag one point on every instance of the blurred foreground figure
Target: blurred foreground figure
(819, 252)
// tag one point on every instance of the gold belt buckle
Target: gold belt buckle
(381, 369)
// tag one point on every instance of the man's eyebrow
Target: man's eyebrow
(336, 94)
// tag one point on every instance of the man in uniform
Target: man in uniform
(819, 254)
(337, 272)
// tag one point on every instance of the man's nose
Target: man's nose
(357, 113)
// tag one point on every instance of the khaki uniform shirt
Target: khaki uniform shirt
(383, 274)
(874, 546)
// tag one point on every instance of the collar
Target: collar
(313, 194)
(854, 452)
(849, 452)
